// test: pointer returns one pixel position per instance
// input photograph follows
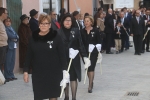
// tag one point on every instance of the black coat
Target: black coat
(137, 28)
(122, 31)
(74, 42)
(47, 62)
(109, 24)
(75, 24)
(33, 24)
(91, 38)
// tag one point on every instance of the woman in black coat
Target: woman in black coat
(46, 52)
(90, 35)
(72, 39)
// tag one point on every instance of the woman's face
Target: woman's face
(87, 22)
(44, 26)
(67, 22)
(8, 22)
(101, 15)
(26, 21)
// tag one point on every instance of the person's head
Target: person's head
(53, 15)
(141, 8)
(137, 13)
(125, 9)
(44, 22)
(67, 21)
(88, 21)
(147, 12)
(62, 11)
(24, 19)
(110, 11)
(76, 15)
(34, 13)
(100, 10)
(118, 23)
(86, 14)
(121, 14)
(80, 17)
(101, 15)
(7, 22)
(3, 13)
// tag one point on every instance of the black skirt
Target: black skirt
(93, 59)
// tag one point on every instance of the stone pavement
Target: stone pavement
(122, 73)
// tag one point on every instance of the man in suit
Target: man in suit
(76, 17)
(109, 30)
(33, 21)
(125, 24)
(137, 31)
(54, 23)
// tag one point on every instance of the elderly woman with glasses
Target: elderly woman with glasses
(46, 51)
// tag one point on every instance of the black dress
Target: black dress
(91, 38)
(72, 39)
(48, 62)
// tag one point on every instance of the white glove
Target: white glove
(66, 78)
(99, 60)
(87, 62)
(98, 46)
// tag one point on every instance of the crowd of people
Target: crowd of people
(45, 42)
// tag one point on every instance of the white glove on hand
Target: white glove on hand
(66, 78)
(87, 62)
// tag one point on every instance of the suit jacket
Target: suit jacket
(129, 17)
(53, 25)
(33, 24)
(122, 31)
(137, 28)
(109, 24)
(12, 37)
(145, 17)
(75, 42)
(126, 24)
(75, 24)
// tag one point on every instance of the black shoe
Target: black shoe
(90, 91)
(109, 53)
(14, 78)
(130, 45)
(9, 79)
(117, 52)
(147, 50)
(135, 53)
(139, 53)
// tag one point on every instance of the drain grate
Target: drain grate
(132, 94)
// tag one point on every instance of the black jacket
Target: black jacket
(47, 62)
(137, 28)
(33, 24)
(109, 24)
(53, 25)
(122, 31)
(92, 38)
(75, 42)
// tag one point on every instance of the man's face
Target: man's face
(147, 12)
(122, 15)
(138, 13)
(54, 15)
(125, 10)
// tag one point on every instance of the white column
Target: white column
(40, 6)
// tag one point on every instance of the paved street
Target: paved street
(122, 73)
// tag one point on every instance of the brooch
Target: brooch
(50, 43)
(92, 34)
(72, 32)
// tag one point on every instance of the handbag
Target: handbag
(2, 79)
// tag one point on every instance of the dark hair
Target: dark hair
(51, 12)
(7, 19)
(62, 11)
(125, 8)
(2, 10)
(99, 9)
(86, 14)
(118, 22)
(64, 17)
(75, 13)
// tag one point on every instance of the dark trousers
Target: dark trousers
(127, 44)
(3, 51)
(146, 41)
(9, 63)
(137, 43)
(123, 39)
(108, 42)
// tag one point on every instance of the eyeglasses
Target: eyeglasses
(44, 24)
(67, 20)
